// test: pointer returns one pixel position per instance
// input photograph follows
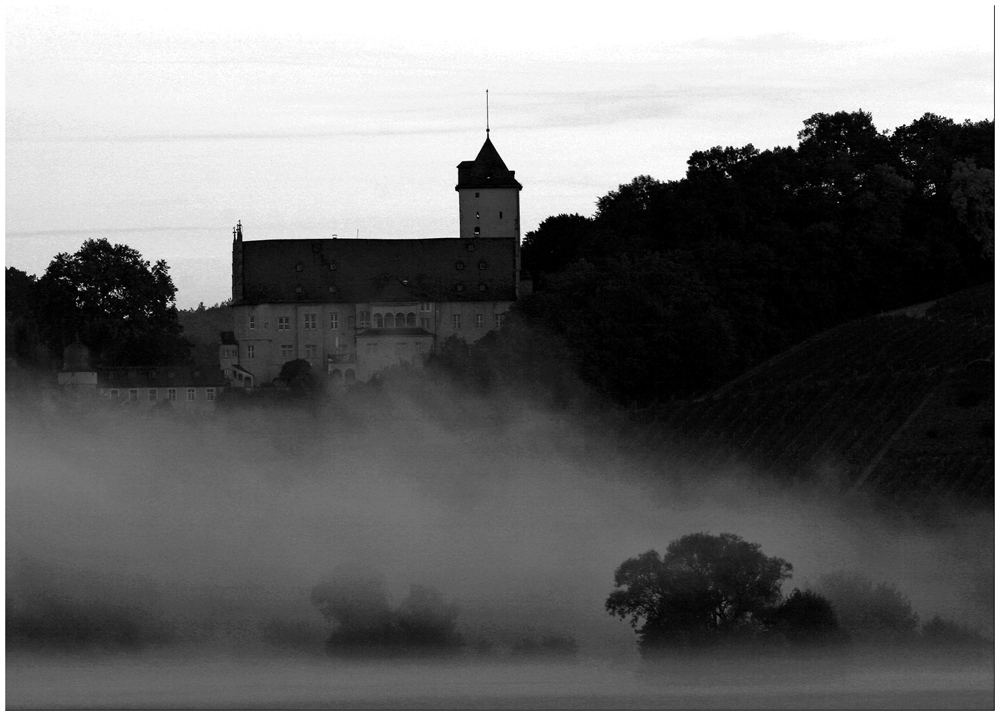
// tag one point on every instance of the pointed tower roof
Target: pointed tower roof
(487, 171)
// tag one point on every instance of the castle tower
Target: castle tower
(489, 203)
(488, 197)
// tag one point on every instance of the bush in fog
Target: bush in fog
(63, 624)
(425, 623)
(298, 375)
(946, 634)
(806, 619)
(557, 646)
(869, 613)
(354, 602)
(705, 590)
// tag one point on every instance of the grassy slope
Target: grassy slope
(899, 404)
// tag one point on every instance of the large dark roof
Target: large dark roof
(377, 270)
(487, 171)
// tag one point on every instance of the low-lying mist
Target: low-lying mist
(209, 531)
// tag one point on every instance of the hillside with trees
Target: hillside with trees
(674, 288)
(899, 405)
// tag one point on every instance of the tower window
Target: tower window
(476, 231)
(501, 214)
(477, 194)
(459, 265)
(482, 265)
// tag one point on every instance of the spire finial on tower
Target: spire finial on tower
(487, 114)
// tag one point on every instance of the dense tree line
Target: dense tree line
(709, 591)
(673, 287)
(121, 307)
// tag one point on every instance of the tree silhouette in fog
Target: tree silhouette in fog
(115, 302)
(353, 600)
(705, 590)
(807, 619)
(873, 613)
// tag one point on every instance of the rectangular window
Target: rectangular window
(425, 307)
(228, 373)
(480, 320)
(475, 231)
(252, 322)
(152, 395)
(286, 350)
(334, 321)
(171, 394)
(501, 214)
(425, 323)
(365, 319)
(310, 321)
(191, 394)
(284, 323)
(311, 351)
(249, 351)
(400, 348)
(209, 393)
(133, 394)
(371, 347)
(114, 392)
(497, 320)
(420, 348)
(456, 321)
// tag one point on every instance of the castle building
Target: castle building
(352, 307)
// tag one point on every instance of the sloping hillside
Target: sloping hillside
(900, 404)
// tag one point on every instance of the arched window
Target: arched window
(400, 320)
(378, 320)
(411, 319)
(390, 321)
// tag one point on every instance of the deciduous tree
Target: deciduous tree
(114, 302)
(704, 590)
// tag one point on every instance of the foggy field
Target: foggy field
(230, 683)
(181, 541)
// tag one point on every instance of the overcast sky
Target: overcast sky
(161, 127)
